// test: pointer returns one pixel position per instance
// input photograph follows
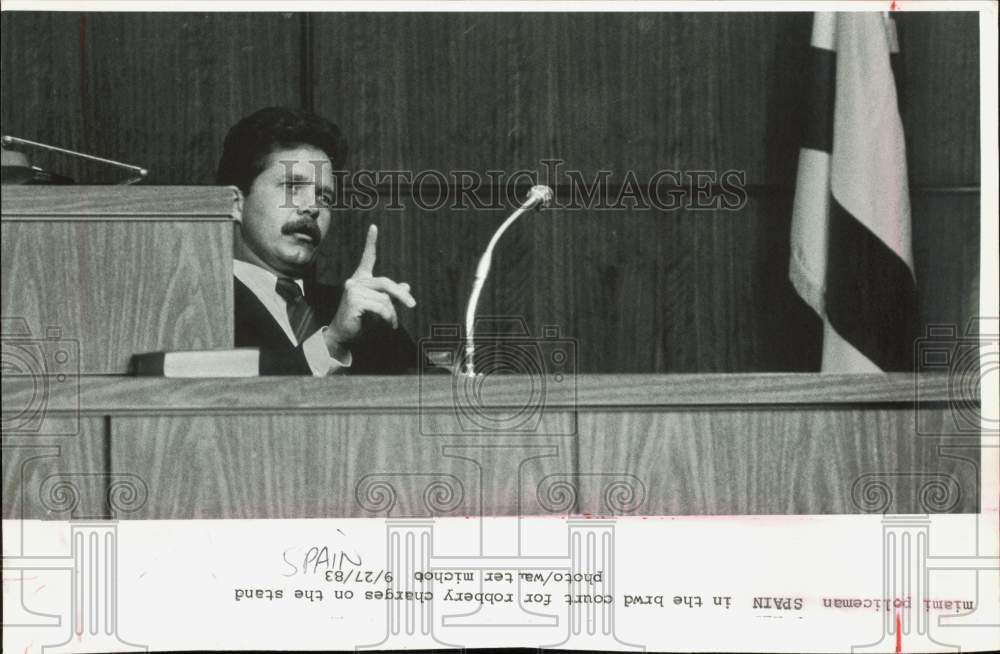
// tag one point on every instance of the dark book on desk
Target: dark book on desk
(241, 362)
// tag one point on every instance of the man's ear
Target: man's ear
(238, 206)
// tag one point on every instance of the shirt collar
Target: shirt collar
(254, 276)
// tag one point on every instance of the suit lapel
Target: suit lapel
(255, 326)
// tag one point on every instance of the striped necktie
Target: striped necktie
(300, 314)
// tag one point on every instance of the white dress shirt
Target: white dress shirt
(262, 283)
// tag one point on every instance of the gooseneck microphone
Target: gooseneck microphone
(538, 196)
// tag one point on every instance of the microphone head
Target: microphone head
(541, 194)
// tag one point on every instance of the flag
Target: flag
(851, 251)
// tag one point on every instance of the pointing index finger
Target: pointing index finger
(367, 265)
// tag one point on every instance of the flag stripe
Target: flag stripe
(841, 356)
(896, 65)
(818, 130)
(868, 167)
(824, 31)
(870, 293)
(807, 266)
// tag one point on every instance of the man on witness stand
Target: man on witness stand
(282, 160)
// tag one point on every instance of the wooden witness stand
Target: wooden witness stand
(122, 270)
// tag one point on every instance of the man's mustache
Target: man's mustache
(303, 226)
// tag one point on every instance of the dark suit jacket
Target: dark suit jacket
(380, 350)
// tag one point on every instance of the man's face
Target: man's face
(286, 213)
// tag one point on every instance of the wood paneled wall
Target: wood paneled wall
(158, 90)
(641, 291)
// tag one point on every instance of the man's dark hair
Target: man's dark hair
(250, 141)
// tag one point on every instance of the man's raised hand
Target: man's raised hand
(365, 293)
